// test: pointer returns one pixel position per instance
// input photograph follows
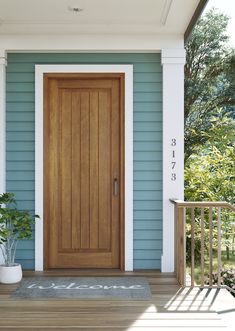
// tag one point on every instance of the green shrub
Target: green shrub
(227, 278)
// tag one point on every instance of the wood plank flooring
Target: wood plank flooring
(170, 308)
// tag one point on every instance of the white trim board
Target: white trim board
(3, 63)
(173, 61)
(128, 71)
(91, 42)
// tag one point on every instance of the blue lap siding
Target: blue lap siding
(147, 143)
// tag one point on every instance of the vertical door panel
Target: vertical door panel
(105, 170)
(65, 229)
(76, 170)
(94, 170)
(85, 173)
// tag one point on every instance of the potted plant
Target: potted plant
(15, 225)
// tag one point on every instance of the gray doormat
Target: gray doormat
(136, 288)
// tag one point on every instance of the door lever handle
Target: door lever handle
(115, 186)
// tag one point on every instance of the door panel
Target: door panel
(83, 154)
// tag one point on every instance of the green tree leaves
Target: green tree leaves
(209, 78)
(210, 123)
(209, 174)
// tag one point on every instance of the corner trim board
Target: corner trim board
(3, 63)
(173, 61)
(128, 71)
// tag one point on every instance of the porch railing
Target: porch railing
(203, 223)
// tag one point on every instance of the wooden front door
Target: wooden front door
(83, 170)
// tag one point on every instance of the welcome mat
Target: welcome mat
(83, 287)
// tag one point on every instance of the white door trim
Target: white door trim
(128, 71)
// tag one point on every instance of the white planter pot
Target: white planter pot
(10, 275)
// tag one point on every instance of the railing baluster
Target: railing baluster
(180, 246)
(219, 245)
(202, 247)
(192, 246)
(180, 235)
(210, 247)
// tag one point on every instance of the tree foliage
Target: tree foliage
(209, 78)
(210, 126)
(209, 112)
(209, 174)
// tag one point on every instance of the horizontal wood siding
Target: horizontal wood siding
(147, 143)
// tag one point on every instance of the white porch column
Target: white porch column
(3, 63)
(173, 61)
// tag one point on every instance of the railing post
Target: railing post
(180, 245)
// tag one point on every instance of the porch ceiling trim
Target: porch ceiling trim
(202, 4)
(90, 43)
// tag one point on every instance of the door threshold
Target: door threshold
(90, 273)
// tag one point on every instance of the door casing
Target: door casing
(128, 186)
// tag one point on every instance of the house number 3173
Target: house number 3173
(173, 159)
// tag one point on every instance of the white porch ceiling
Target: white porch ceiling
(97, 17)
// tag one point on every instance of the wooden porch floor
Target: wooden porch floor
(170, 308)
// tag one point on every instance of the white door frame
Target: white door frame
(39, 72)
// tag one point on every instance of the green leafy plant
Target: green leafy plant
(227, 278)
(15, 225)
(209, 176)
